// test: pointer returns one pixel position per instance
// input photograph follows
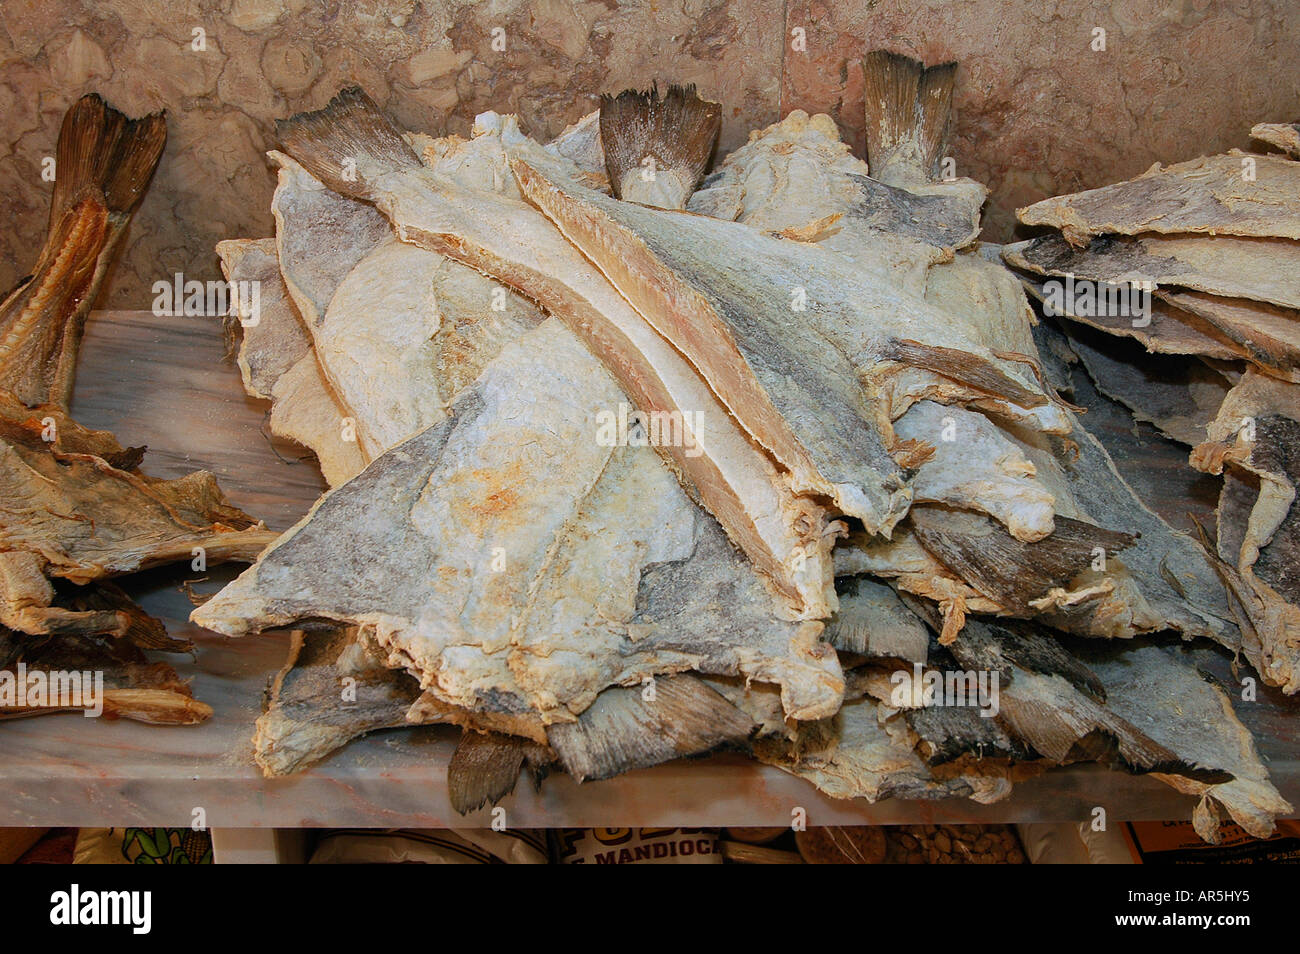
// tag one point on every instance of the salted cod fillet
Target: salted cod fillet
(1210, 194)
(1286, 136)
(511, 593)
(1258, 269)
(468, 207)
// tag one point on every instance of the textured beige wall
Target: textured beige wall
(1038, 111)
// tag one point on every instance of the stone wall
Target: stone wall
(1039, 111)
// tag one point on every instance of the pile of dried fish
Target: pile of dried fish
(1200, 260)
(75, 508)
(627, 465)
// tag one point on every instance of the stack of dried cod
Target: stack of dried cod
(625, 470)
(75, 508)
(1209, 250)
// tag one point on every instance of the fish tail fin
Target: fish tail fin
(347, 144)
(908, 110)
(673, 137)
(105, 156)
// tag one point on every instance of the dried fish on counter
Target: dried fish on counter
(77, 509)
(467, 207)
(104, 163)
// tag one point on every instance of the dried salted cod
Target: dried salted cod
(308, 714)
(580, 144)
(489, 547)
(976, 467)
(1165, 697)
(1233, 194)
(625, 728)
(1178, 396)
(1165, 330)
(1286, 136)
(1259, 269)
(1253, 442)
(278, 362)
(797, 179)
(104, 162)
(656, 148)
(404, 328)
(1269, 336)
(874, 623)
(862, 753)
(76, 507)
(132, 688)
(467, 206)
(815, 386)
(273, 338)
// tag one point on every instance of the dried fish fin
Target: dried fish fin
(656, 149)
(1209, 194)
(485, 768)
(1286, 136)
(308, 714)
(908, 110)
(873, 622)
(105, 162)
(624, 730)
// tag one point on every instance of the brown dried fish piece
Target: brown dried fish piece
(1178, 396)
(104, 162)
(976, 467)
(1269, 336)
(627, 728)
(485, 541)
(1211, 194)
(132, 688)
(1259, 269)
(657, 148)
(1255, 433)
(76, 507)
(486, 766)
(1286, 136)
(1161, 691)
(468, 207)
(1019, 576)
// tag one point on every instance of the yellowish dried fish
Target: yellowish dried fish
(1233, 194)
